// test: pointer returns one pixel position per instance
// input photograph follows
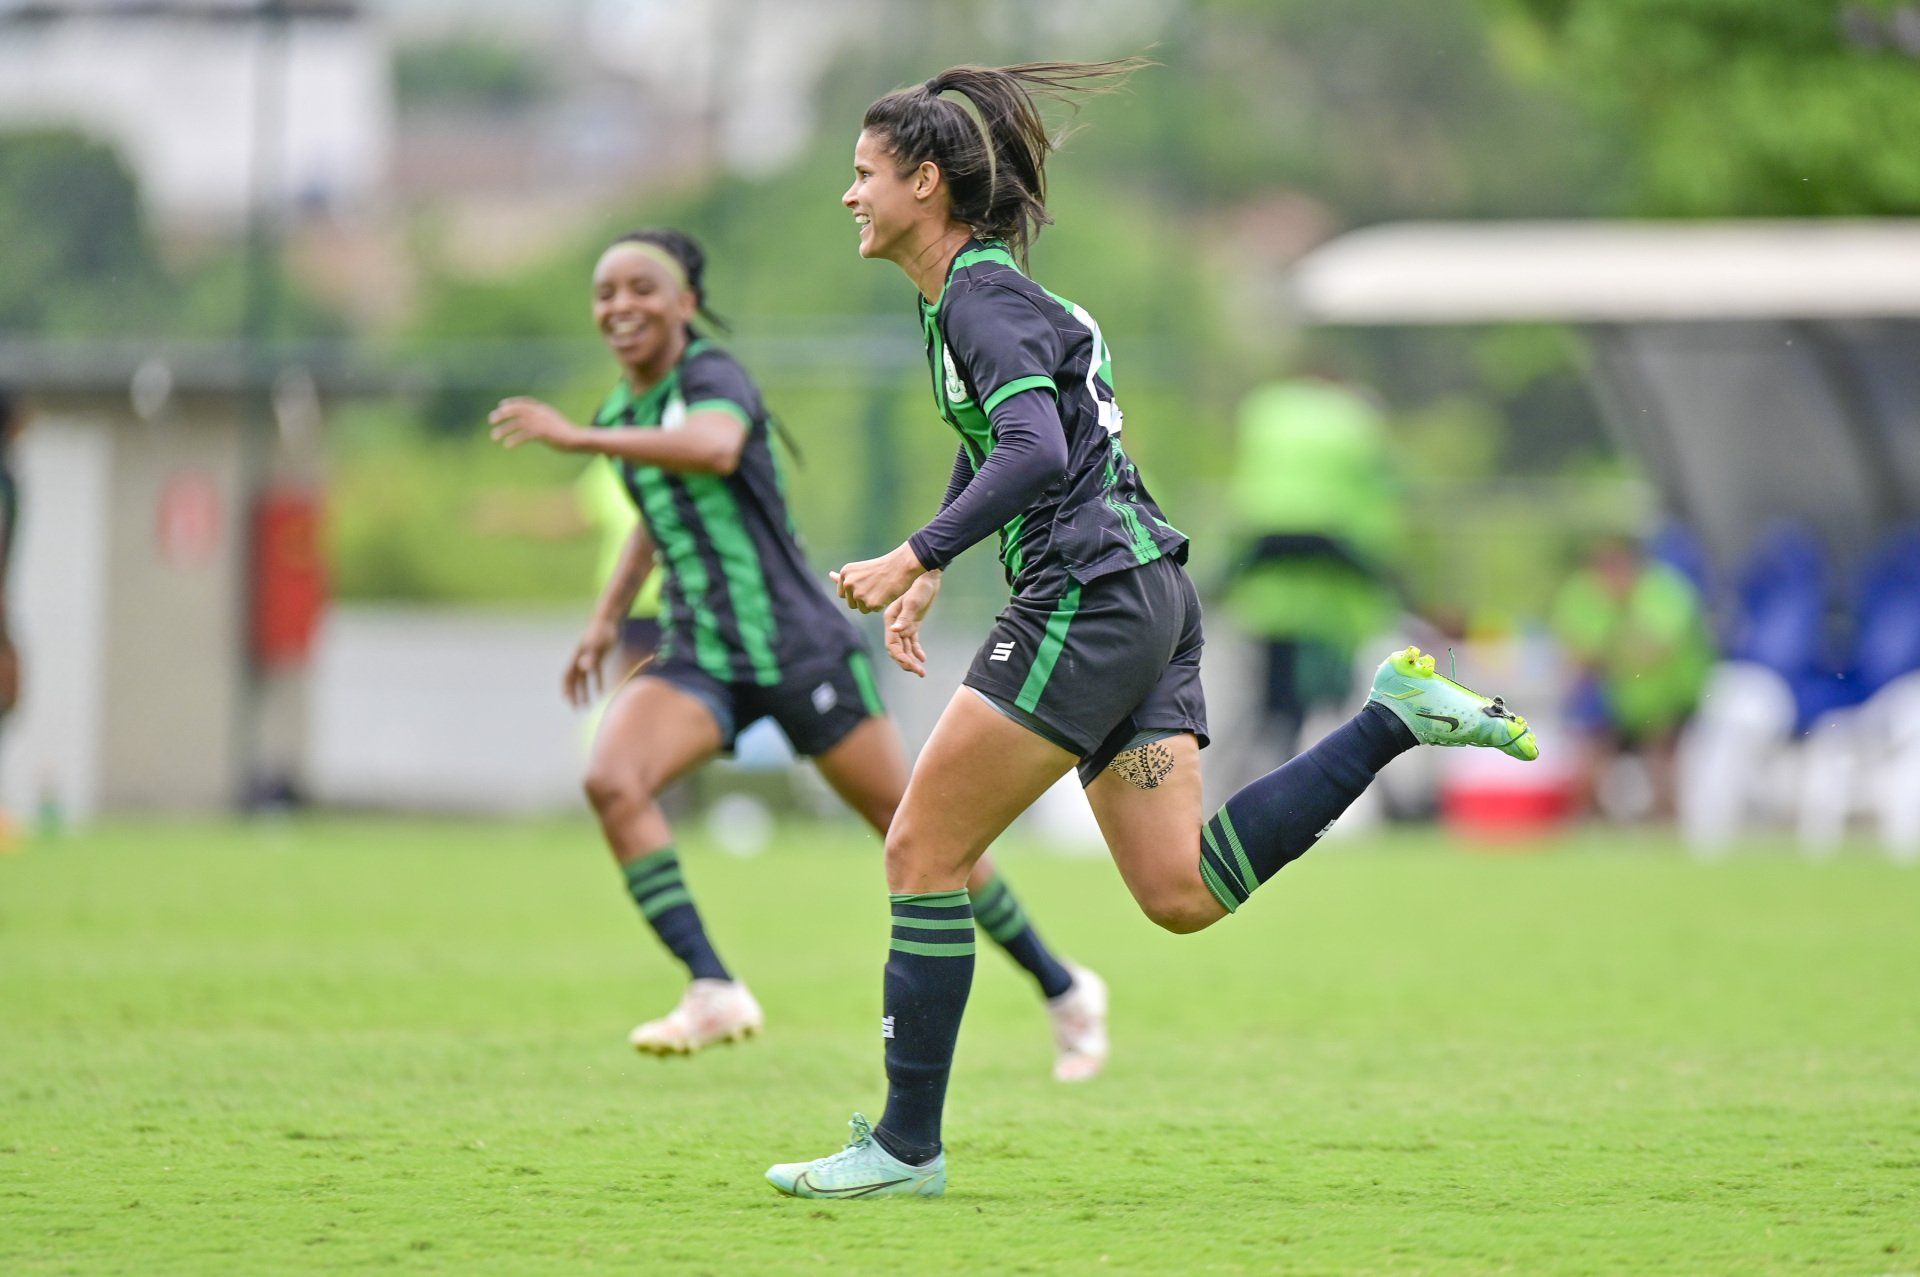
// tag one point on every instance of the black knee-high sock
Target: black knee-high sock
(999, 914)
(655, 883)
(929, 973)
(1271, 822)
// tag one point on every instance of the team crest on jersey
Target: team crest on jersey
(956, 388)
(674, 415)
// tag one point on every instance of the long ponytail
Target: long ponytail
(988, 138)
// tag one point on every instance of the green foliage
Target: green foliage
(209, 300)
(462, 73)
(80, 259)
(1742, 107)
(1378, 109)
(453, 519)
(350, 1046)
(78, 256)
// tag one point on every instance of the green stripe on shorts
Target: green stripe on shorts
(862, 670)
(1051, 644)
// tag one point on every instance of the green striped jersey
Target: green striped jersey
(994, 333)
(740, 599)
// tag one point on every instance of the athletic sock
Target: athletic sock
(929, 972)
(999, 914)
(1271, 822)
(656, 886)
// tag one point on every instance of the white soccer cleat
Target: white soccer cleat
(1079, 1026)
(710, 1011)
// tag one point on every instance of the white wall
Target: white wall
(50, 748)
(431, 709)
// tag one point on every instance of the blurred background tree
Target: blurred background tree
(1740, 107)
(1268, 127)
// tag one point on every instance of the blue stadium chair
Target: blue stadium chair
(1886, 619)
(1678, 546)
(1780, 617)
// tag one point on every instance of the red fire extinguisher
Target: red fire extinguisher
(289, 576)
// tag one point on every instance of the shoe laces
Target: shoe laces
(860, 1135)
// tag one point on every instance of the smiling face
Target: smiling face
(641, 306)
(889, 206)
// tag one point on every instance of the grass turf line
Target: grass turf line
(348, 1044)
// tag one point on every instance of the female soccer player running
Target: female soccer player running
(749, 634)
(1095, 663)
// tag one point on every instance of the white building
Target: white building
(207, 97)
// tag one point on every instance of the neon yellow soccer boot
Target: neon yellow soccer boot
(1438, 711)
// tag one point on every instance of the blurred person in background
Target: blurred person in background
(1314, 507)
(1093, 667)
(750, 633)
(1636, 631)
(13, 419)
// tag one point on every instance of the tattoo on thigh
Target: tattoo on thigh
(1145, 767)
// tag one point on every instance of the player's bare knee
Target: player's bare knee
(610, 787)
(913, 860)
(1180, 908)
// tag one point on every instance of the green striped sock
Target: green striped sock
(1268, 824)
(997, 910)
(655, 883)
(929, 974)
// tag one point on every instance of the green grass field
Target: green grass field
(348, 1045)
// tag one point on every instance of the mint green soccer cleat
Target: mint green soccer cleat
(1441, 712)
(861, 1169)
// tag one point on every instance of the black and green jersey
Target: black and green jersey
(993, 335)
(740, 600)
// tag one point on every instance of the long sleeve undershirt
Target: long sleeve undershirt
(957, 481)
(1029, 456)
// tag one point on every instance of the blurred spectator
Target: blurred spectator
(1314, 509)
(1637, 633)
(13, 418)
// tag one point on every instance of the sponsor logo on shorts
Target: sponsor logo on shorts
(1001, 651)
(886, 1026)
(824, 698)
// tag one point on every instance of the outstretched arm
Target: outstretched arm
(709, 442)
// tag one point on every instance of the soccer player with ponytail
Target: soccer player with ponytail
(1095, 662)
(749, 633)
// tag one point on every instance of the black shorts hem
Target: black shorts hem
(1047, 728)
(815, 706)
(1115, 745)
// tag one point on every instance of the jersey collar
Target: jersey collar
(975, 250)
(625, 402)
